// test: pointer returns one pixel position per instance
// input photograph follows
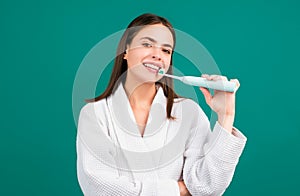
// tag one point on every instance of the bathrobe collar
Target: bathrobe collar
(124, 118)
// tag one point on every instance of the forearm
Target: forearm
(210, 172)
(226, 121)
(96, 179)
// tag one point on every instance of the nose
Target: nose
(156, 53)
(156, 57)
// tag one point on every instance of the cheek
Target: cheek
(131, 60)
(167, 61)
(135, 57)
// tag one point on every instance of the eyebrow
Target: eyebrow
(153, 40)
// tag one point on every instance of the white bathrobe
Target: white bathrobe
(113, 158)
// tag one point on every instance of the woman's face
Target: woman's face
(150, 50)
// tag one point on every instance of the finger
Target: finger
(205, 76)
(210, 77)
(217, 77)
(206, 95)
(237, 83)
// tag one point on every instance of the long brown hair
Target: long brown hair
(120, 64)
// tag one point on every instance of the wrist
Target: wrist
(226, 121)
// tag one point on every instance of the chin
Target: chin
(148, 80)
(142, 75)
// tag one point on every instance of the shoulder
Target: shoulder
(188, 105)
(88, 107)
(93, 109)
(189, 109)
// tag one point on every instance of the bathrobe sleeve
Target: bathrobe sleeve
(97, 170)
(210, 157)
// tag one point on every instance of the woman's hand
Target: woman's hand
(223, 103)
(182, 188)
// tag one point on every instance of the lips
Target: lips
(153, 66)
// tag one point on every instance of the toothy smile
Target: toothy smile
(152, 66)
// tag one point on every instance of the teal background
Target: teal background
(43, 43)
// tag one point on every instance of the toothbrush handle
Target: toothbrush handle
(216, 85)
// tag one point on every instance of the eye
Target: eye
(147, 45)
(167, 51)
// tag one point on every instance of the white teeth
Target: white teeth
(151, 66)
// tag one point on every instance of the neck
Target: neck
(140, 95)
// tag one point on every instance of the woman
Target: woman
(140, 138)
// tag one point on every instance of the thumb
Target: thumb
(207, 95)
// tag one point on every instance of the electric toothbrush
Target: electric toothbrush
(203, 82)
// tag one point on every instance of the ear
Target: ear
(125, 54)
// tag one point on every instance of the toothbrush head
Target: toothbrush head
(161, 71)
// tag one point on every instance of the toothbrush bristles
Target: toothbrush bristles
(161, 71)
